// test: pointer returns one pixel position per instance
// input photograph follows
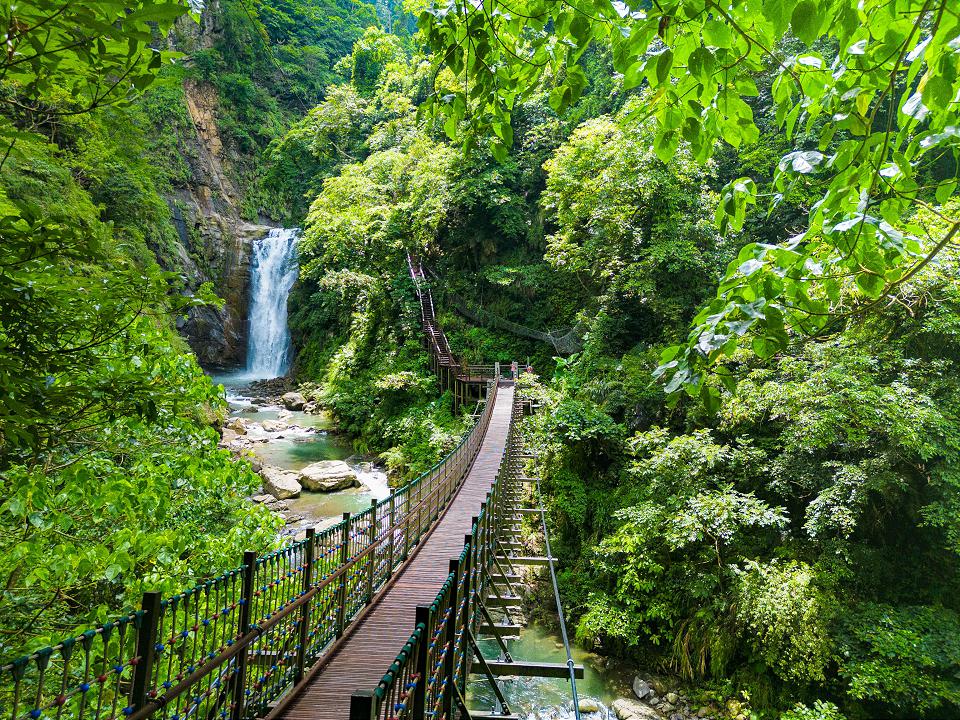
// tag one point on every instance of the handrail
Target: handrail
(428, 679)
(234, 645)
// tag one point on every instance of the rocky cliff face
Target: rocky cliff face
(215, 241)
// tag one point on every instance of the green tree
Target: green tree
(876, 80)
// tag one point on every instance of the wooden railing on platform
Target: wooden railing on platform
(428, 678)
(234, 647)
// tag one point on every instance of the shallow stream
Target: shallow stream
(546, 698)
(309, 438)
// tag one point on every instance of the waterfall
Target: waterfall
(273, 270)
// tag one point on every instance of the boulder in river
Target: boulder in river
(641, 688)
(238, 425)
(280, 483)
(328, 476)
(293, 401)
(631, 710)
(274, 425)
(588, 705)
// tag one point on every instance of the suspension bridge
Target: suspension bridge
(377, 617)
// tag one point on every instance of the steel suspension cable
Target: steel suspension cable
(556, 597)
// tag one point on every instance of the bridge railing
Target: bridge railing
(233, 647)
(428, 678)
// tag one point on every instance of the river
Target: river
(305, 438)
(547, 698)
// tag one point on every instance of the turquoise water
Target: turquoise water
(335, 504)
(544, 698)
(297, 453)
(295, 449)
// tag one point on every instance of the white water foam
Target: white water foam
(273, 271)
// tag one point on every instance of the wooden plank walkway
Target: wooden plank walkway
(364, 656)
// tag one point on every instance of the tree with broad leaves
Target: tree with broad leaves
(876, 82)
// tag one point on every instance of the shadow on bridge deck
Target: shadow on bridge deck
(359, 662)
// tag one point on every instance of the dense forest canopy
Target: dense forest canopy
(865, 93)
(752, 202)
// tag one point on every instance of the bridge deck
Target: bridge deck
(364, 656)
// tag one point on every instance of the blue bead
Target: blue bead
(84, 687)
(36, 713)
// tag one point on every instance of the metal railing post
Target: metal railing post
(482, 542)
(468, 590)
(362, 705)
(423, 615)
(448, 664)
(391, 541)
(406, 525)
(305, 608)
(372, 568)
(243, 627)
(476, 587)
(146, 642)
(419, 507)
(342, 585)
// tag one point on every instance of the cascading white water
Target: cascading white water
(273, 271)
